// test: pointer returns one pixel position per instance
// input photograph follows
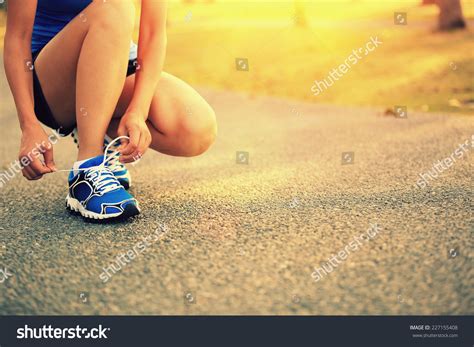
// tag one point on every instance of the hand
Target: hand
(134, 126)
(34, 145)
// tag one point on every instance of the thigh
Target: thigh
(56, 66)
(176, 106)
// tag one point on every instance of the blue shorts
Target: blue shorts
(42, 110)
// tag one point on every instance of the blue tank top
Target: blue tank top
(52, 16)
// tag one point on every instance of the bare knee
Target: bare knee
(198, 131)
(116, 16)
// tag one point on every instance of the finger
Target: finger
(49, 159)
(135, 156)
(30, 174)
(127, 160)
(141, 149)
(132, 145)
(144, 144)
(38, 167)
(26, 171)
(121, 131)
(145, 141)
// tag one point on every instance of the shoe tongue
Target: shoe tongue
(96, 161)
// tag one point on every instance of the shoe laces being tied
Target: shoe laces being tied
(113, 158)
(103, 180)
(101, 176)
(113, 163)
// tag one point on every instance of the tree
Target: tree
(450, 14)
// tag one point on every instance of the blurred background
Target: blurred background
(426, 59)
(289, 44)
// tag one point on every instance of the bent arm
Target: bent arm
(151, 54)
(17, 52)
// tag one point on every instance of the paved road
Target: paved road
(245, 238)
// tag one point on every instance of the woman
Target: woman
(71, 65)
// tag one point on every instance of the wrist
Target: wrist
(29, 124)
(137, 113)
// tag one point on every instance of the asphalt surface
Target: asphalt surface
(245, 238)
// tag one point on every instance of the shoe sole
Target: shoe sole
(76, 207)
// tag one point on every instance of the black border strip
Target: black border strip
(248, 331)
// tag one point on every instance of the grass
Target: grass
(414, 66)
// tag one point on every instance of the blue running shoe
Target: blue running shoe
(119, 169)
(96, 193)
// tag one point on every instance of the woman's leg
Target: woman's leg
(181, 122)
(82, 70)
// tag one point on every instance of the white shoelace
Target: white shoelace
(113, 163)
(103, 180)
(101, 175)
